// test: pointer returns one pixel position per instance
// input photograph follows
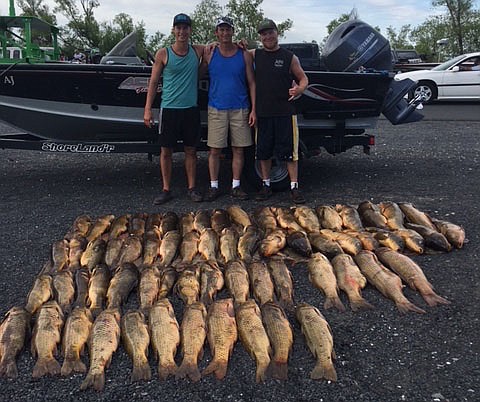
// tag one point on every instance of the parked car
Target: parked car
(449, 80)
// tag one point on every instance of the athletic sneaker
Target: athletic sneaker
(212, 193)
(194, 195)
(237, 192)
(164, 197)
(264, 194)
(297, 196)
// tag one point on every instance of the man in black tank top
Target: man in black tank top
(279, 79)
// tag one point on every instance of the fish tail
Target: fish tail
(72, 365)
(334, 301)
(96, 381)
(166, 370)
(261, 373)
(141, 372)
(206, 299)
(95, 311)
(278, 370)
(218, 367)
(406, 306)
(325, 370)
(360, 304)
(46, 366)
(188, 369)
(8, 369)
(432, 299)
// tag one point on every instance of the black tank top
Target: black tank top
(273, 80)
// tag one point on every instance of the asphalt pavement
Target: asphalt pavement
(381, 354)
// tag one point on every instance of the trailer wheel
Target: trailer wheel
(279, 178)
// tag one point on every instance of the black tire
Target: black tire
(427, 89)
(279, 179)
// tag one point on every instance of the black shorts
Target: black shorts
(179, 126)
(277, 136)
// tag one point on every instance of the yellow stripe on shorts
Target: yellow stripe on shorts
(295, 137)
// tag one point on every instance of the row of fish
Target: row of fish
(100, 262)
(265, 333)
(226, 235)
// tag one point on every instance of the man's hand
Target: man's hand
(295, 91)
(252, 118)
(148, 118)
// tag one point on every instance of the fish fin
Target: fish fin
(141, 372)
(96, 381)
(278, 370)
(261, 373)
(288, 305)
(166, 370)
(8, 369)
(406, 306)
(95, 311)
(432, 299)
(188, 369)
(326, 371)
(46, 366)
(73, 365)
(334, 302)
(360, 304)
(218, 367)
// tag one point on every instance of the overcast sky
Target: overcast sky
(309, 17)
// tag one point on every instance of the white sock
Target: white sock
(214, 183)
(293, 184)
(235, 183)
(266, 182)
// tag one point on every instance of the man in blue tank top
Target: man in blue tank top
(179, 113)
(280, 79)
(231, 106)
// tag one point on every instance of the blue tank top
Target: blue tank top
(228, 82)
(180, 80)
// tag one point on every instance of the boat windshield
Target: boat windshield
(448, 63)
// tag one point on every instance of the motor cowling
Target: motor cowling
(354, 45)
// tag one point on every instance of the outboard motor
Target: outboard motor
(355, 46)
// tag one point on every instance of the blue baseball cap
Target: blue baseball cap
(182, 19)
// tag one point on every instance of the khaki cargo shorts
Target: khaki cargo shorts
(219, 123)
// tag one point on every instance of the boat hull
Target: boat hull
(74, 102)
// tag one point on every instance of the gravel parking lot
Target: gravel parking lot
(381, 355)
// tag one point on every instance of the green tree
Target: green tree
(122, 25)
(36, 8)
(204, 17)
(247, 15)
(460, 14)
(427, 35)
(400, 39)
(82, 29)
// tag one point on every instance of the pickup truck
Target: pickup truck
(404, 60)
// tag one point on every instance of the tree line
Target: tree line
(454, 31)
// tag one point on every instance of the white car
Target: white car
(456, 79)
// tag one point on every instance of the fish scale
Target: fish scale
(165, 337)
(104, 340)
(222, 334)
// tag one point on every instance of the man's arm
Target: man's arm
(157, 68)
(301, 79)
(247, 56)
